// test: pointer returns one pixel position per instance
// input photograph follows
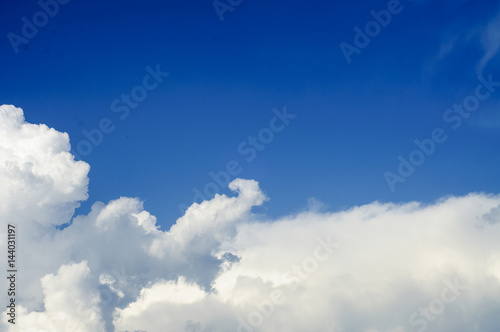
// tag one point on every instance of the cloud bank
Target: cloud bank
(379, 267)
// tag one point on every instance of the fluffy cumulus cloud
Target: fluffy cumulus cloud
(71, 303)
(40, 179)
(372, 268)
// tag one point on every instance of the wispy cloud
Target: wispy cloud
(490, 40)
(465, 34)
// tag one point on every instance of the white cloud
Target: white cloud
(221, 268)
(71, 304)
(35, 165)
(163, 295)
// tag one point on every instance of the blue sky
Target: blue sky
(355, 145)
(225, 78)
